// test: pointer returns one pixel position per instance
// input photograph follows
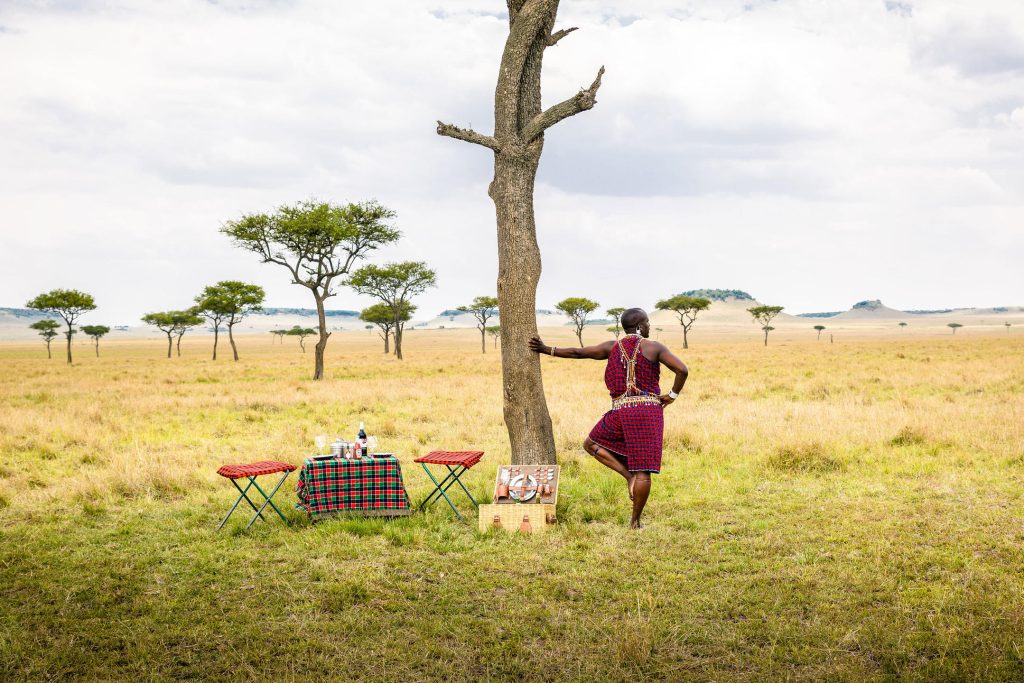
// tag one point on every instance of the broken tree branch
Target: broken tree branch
(581, 101)
(558, 35)
(450, 131)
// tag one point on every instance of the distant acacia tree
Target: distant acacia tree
(231, 300)
(163, 321)
(394, 284)
(686, 309)
(301, 332)
(615, 314)
(96, 332)
(577, 308)
(763, 315)
(48, 331)
(1006, 324)
(69, 304)
(183, 322)
(819, 328)
(318, 243)
(483, 309)
(494, 331)
(382, 316)
(954, 326)
(902, 325)
(278, 335)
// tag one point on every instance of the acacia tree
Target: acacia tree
(395, 284)
(318, 243)
(278, 335)
(1006, 324)
(301, 332)
(164, 321)
(616, 314)
(382, 316)
(763, 315)
(214, 310)
(954, 326)
(819, 328)
(95, 331)
(232, 300)
(902, 325)
(183, 322)
(577, 308)
(517, 143)
(495, 332)
(69, 304)
(686, 309)
(483, 309)
(48, 331)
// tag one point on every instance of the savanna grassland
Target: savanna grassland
(826, 511)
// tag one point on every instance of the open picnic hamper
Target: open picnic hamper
(525, 497)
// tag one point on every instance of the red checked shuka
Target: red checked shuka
(634, 427)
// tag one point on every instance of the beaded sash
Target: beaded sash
(632, 399)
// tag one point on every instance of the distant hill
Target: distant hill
(827, 314)
(720, 294)
(26, 313)
(307, 311)
(870, 309)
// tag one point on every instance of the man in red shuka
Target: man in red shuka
(628, 438)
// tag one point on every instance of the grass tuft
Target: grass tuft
(908, 436)
(804, 458)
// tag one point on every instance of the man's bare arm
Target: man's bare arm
(599, 352)
(673, 363)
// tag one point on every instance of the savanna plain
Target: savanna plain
(842, 511)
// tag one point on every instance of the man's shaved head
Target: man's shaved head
(632, 317)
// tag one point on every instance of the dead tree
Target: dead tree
(517, 143)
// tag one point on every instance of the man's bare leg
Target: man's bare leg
(641, 490)
(608, 459)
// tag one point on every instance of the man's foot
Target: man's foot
(636, 525)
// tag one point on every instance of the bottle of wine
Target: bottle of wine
(361, 440)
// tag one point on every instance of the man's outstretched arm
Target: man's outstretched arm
(599, 352)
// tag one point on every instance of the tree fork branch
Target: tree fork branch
(581, 101)
(558, 35)
(448, 130)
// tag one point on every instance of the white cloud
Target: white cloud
(802, 150)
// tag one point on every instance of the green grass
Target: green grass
(869, 530)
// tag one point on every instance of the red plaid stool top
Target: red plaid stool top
(250, 471)
(457, 462)
(255, 469)
(465, 458)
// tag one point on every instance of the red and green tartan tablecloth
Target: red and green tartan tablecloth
(367, 486)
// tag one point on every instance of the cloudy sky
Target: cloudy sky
(812, 153)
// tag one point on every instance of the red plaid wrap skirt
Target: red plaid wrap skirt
(634, 432)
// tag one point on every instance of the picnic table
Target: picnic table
(368, 486)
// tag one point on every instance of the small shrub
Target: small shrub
(907, 437)
(810, 457)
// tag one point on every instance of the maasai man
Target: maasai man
(628, 438)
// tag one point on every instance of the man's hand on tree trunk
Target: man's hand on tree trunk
(537, 346)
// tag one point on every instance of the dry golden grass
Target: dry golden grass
(825, 510)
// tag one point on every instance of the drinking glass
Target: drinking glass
(371, 444)
(321, 442)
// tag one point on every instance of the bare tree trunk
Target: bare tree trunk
(231, 338)
(302, 344)
(321, 344)
(686, 342)
(399, 329)
(216, 335)
(766, 337)
(517, 143)
(97, 348)
(178, 345)
(483, 339)
(519, 267)
(387, 341)
(48, 354)
(69, 333)
(170, 343)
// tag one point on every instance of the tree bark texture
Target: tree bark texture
(48, 354)
(69, 333)
(517, 143)
(170, 345)
(216, 335)
(483, 339)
